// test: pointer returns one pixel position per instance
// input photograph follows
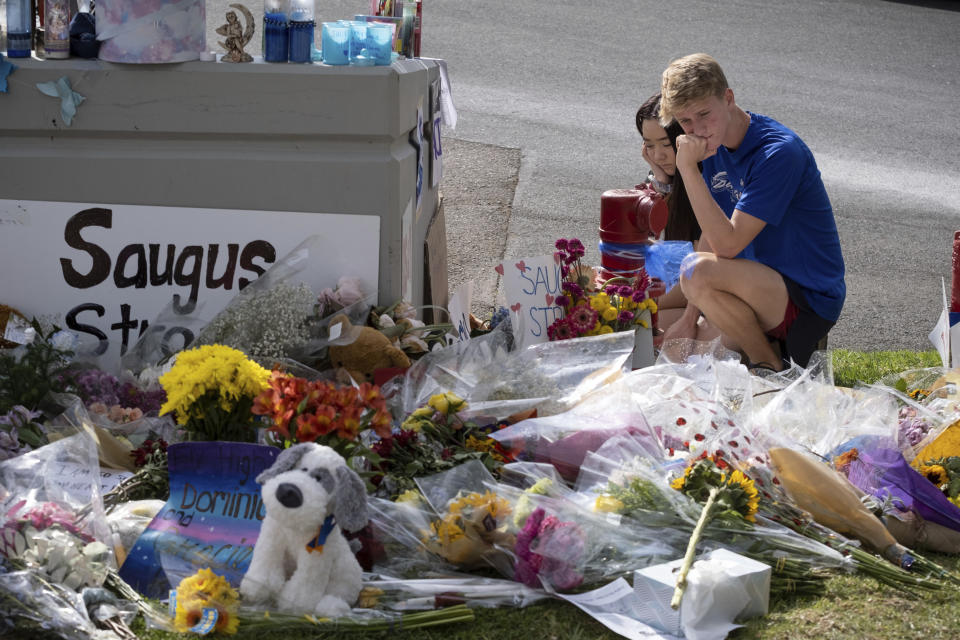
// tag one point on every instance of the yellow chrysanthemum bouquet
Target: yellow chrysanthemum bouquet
(211, 390)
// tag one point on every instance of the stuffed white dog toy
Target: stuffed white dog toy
(301, 562)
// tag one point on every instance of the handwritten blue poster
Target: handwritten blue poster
(211, 519)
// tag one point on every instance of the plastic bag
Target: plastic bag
(663, 259)
(43, 607)
(565, 439)
(52, 513)
(820, 417)
(472, 527)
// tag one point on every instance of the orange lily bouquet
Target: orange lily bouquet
(318, 411)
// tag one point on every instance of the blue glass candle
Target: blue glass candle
(301, 41)
(301, 30)
(276, 31)
(19, 28)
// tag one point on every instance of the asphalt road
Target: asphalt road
(872, 86)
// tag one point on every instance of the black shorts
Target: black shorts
(806, 331)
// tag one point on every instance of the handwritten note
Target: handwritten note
(72, 477)
(531, 287)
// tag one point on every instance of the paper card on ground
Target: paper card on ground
(942, 331)
(615, 606)
(531, 287)
(211, 520)
(952, 319)
(954, 339)
(459, 309)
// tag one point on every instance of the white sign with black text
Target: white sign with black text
(107, 270)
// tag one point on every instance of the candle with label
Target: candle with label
(56, 29)
(19, 28)
(276, 31)
(301, 30)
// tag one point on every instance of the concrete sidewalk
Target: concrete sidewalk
(479, 181)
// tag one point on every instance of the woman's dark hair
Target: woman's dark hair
(681, 223)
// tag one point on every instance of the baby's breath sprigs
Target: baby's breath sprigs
(266, 324)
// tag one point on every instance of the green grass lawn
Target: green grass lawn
(853, 607)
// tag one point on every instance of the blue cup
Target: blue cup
(335, 38)
(358, 39)
(380, 42)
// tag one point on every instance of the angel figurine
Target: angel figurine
(235, 36)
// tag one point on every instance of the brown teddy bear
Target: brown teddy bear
(362, 350)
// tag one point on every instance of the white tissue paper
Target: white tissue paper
(721, 587)
(151, 31)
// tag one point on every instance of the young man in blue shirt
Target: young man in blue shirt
(759, 188)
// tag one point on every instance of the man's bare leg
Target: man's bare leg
(742, 299)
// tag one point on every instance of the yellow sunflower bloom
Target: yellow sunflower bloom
(206, 590)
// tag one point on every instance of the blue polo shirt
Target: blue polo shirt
(773, 176)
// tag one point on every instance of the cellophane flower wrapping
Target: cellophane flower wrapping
(551, 376)
(52, 517)
(563, 439)
(33, 603)
(472, 527)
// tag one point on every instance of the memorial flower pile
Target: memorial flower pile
(593, 482)
(432, 439)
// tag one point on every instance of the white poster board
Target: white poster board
(459, 310)
(531, 287)
(941, 336)
(106, 271)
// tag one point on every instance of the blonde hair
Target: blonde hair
(687, 80)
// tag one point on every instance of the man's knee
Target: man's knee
(695, 272)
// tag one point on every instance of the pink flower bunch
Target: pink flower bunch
(589, 310)
(349, 291)
(542, 531)
(116, 413)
